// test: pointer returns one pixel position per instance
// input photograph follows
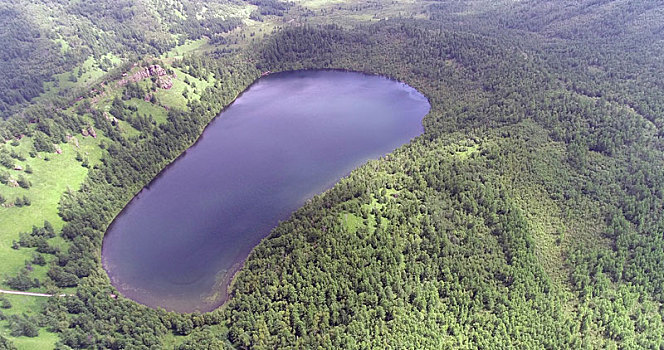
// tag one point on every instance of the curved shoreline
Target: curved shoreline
(222, 289)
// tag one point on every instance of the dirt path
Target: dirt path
(27, 293)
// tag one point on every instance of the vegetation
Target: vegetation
(87, 38)
(528, 214)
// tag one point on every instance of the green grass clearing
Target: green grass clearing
(50, 179)
(90, 74)
(188, 47)
(28, 305)
(174, 97)
(146, 108)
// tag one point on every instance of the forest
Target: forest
(527, 215)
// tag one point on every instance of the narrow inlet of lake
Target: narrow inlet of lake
(287, 138)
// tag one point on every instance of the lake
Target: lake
(287, 138)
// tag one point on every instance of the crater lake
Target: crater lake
(288, 137)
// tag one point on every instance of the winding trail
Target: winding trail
(2, 291)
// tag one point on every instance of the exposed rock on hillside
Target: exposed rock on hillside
(90, 131)
(163, 79)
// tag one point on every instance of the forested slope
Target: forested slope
(528, 214)
(82, 40)
(543, 197)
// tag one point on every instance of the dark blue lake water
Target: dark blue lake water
(289, 137)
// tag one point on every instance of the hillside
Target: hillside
(83, 40)
(528, 214)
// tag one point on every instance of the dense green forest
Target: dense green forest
(528, 214)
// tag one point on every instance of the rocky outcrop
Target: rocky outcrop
(164, 81)
(149, 71)
(90, 131)
(110, 118)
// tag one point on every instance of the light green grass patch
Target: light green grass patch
(50, 179)
(351, 222)
(350, 12)
(64, 45)
(127, 129)
(91, 75)
(464, 151)
(317, 4)
(22, 304)
(146, 108)
(45, 340)
(174, 98)
(188, 47)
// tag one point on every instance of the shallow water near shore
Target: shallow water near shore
(288, 137)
